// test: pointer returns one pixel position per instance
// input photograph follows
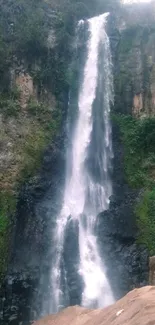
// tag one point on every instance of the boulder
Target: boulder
(136, 308)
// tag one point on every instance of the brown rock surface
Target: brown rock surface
(152, 270)
(136, 308)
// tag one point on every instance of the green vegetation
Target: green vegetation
(9, 105)
(138, 136)
(8, 205)
(145, 213)
(27, 134)
(46, 125)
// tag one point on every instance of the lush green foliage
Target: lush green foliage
(9, 107)
(9, 103)
(138, 137)
(145, 213)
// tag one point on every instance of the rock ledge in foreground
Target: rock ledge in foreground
(136, 308)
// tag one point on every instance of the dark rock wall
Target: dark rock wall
(126, 261)
(28, 271)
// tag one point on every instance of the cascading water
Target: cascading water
(85, 196)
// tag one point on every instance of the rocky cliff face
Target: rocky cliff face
(133, 112)
(122, 243)
(33, 97)
(32, 163)
(132, 37)
(135, 62)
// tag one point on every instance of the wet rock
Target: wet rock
(72, 260)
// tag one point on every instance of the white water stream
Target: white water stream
(84, 198)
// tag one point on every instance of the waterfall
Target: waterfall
(88, 188)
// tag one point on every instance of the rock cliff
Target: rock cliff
(135, 60)
(133, 42)
(32, 160)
